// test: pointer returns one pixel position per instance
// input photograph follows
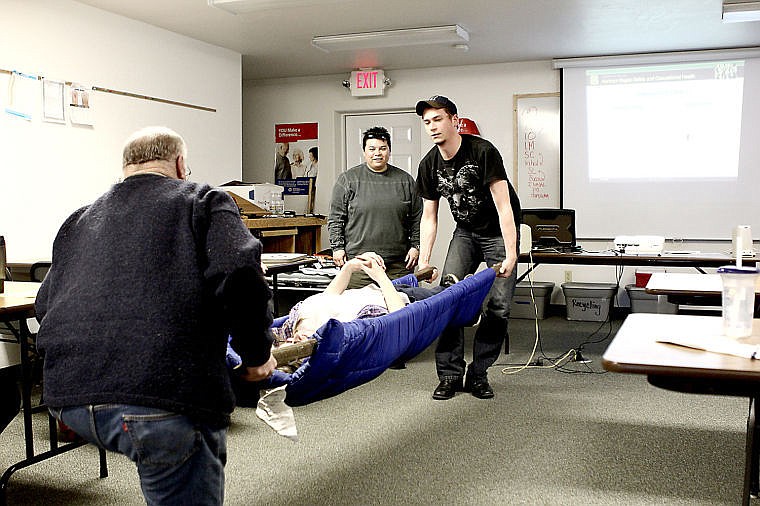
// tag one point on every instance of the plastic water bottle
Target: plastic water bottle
(277, 204)
(2, 264)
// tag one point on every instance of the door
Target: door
(406, 138)
(409, 143)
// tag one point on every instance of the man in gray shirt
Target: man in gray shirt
(375, 207)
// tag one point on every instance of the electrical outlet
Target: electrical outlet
(568, 276)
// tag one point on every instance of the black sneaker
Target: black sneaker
(448, 280)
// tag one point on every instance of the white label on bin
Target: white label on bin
(591, 305)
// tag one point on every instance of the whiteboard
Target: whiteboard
(536, 149)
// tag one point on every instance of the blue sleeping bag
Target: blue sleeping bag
(349, 354)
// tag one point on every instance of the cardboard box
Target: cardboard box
(588, 302)
(522, 304)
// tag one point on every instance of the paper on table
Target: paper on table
(326, 271)
(716, 344)
(282, 258)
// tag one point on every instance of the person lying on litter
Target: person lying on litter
(343, 338)
(338, 302)
(345, 305)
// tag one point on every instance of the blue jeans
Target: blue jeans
(179, 462)
(416, 293)
(466, 251)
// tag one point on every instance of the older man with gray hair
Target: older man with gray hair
(145, 287)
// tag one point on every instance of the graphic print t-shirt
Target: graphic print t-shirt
(464, 181)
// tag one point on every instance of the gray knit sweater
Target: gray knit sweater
(373, 211)
(145, 286)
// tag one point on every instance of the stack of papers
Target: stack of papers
(716, 344)
(324, 271)
(282, 258)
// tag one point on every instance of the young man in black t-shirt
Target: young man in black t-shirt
(469, 172)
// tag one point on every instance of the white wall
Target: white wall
(48, 170)
(481, 92)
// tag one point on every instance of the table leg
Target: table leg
(103, 463)
(275, 296)
(26, 387)
(23, 335)
(31, 461)
(750, 455)
(754, 484)
(525, 274)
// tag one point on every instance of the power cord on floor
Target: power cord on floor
(619, 269)
(573, 355)
(514, 369)
(608, 322)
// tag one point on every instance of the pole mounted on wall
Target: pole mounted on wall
(134, 95)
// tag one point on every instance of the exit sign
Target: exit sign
(367, 83)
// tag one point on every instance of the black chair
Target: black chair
(38, 271)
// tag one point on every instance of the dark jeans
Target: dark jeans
(466, 251)
(392, 269)
(416, 293)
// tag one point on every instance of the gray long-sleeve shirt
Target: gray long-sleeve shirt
(375, 211)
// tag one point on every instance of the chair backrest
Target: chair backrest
(526, 238)
(38, 271)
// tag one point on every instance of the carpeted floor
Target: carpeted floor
(575, 436)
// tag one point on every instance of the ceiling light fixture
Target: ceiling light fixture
(452, 34)
(740, 10)
(243, 6)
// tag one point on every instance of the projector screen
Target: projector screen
(668, 149)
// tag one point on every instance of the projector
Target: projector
(640, 244)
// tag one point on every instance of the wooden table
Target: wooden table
(684, 283)
(18, 297)
(16, 305)
(635, 349)
(696, 260)
(687, 289)
(690, 288)
(297, 234)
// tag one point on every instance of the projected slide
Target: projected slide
(665, 122)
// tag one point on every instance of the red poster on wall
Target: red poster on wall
(296, 156)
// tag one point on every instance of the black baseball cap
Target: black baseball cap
(436, 102)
